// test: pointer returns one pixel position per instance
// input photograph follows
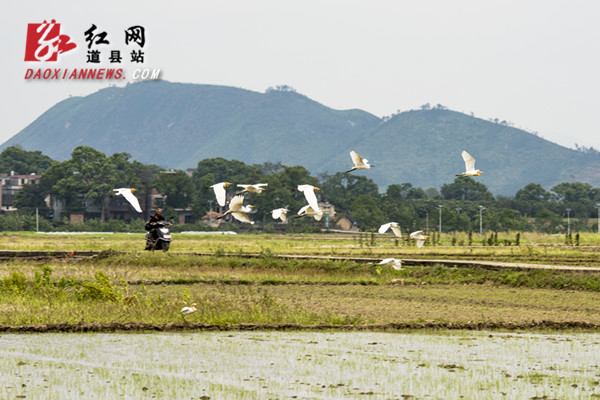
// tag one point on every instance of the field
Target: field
(301, 365)
(330, 324)
(243, 280)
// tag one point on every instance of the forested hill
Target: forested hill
(176, 125)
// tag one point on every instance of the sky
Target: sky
(535, 64)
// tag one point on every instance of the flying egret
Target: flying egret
(256, 188)
(188, 310)
(309, 193)
(419, 237)
(128, 194)
(238, 210)
(469, 166)
(392, 262)
(280, 213)
(394, 226)
(307, 210)
(359, 162)
(219, 189)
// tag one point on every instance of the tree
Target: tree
(533, 192)
(91, 175)
(574, 192)
(580, 197)
(404, 191)
(366, 212)
(177, 187)
(23, 162)
(29, 198)
(340, 189)
(466, 188)
(547, 221)
(224, 170)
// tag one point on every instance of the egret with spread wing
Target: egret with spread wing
(238, 210)
(359, 162)
(307, 210)
(128, 194)
(469, 166)
(256, 188)
(392, 262)
(220, 194)
(309, 194)
(419, 237)
(280, 213)
(393, 226)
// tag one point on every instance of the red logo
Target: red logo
(45, 43)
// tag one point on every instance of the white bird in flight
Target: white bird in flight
(309, 194)
(219, 189)
(256, 188)
(359, 162)
(280, 213)
(307, 210)
(469, 166)
(419, 237)
(188, 310)
(392, 262)
(238, 210)
(128, 194)
(394, 226)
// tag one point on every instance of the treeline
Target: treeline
(90, 176)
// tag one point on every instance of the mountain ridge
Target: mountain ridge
(176, 125)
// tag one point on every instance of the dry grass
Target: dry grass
(269, 290)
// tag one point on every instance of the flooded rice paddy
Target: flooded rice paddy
(301, 365)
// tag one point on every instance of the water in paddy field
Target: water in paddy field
(300, 365)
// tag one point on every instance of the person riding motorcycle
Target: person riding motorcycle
(151, 224)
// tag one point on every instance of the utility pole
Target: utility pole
(598, 218)
(481, 208)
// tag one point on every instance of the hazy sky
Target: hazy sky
(533, 63)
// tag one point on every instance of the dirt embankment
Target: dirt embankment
(173, 327)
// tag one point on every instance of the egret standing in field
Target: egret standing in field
(469, 166)
(128, 194)
(393, 226)
(280, 213)
(359, 162)
(419, 237)
(392, 262)
(238, 210)
(188, 310)
(256, 188)
(220, 194)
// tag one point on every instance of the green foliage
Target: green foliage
(91, 174)
(341, 189)
(466, 188)
(30, 198)
(89, 177)
(101, 289)
(366, 212)
(113, 225)
(21, 222)
(23, 162)
(177, 186)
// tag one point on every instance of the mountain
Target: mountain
(176, 125)
(423, 147)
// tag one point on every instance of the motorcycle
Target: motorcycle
(158, 236)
